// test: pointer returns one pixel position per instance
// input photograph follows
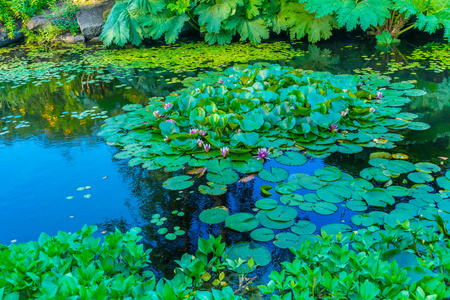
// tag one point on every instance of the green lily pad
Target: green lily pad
(400, 166)
(291, 158)
(334, 194)
(282, 213)
(274, 175)
(378, 197)
(163, 230)
(336, 228)
(287, 240)
(242, 222)
(356, 205)
(268, 223)
(227, 176)
(178, 182)
(443, 182)
(213, 189)
(427, 167)
(285, 188)
(292, 199)
(266, 204)
(325, 208)
(398, 191)
(171, 236)
(304, 227)
(328, 173)
(214, 215)
(260, 254)
(394, 218)
(262, 234)
(420, 177)
(307, 182)
(265, 188)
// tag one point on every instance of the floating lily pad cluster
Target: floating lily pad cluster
(11, 122)
(409, 191)
(221, 126)
(159, 221)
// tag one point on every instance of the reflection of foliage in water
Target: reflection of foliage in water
(316, 59)
(437, 97)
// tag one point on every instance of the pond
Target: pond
(58, 174)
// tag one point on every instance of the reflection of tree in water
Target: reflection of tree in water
(316, 59)
(149, 198)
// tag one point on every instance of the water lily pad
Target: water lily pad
(265, 188)
(292, 199)
(213, 189)
(427, 167)
(384, 155)
(274, 175)
(328, 173)
(282, 213)
(443, 182)
(308, 182)
(420, 177)
(285, 188)
(262, 234)
(170, 236)
(303, 227)
(214, 215)
(398, 191)
(394, 218)
(132, 107)
(400, 166)
(325, 208)
(227, 176)
(334, 194)
(291, 158)
(163, 230)
(378, 197)
(287, 240)
(260, 254)
(336, 228)
(356, 205)
(374, 173)
(178, 182)
(242, 222)
(418, 126)
(266, 204)
(268, 223)
(400, 156)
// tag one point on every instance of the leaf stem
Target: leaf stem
(406, 29)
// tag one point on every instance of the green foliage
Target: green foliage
(20, 10)
(405, 262)
(253, 20)
(63, 16)
(386, 39)
(72, 266)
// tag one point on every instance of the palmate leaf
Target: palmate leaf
(253, 30)
(122, 27)
(213, 13)
(165, 23)
(222, 37)
(365, 13)
(301, 23)
(141, 7)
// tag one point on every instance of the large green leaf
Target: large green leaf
(214, 215)
(178, 183)
(213, 13)
(253, 30)
(274, 175)
(242, 222)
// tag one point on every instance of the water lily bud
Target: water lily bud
(221, 80)
(167, 105)
(193, 131)
(206, 147)
(379, 95)
(224, 151)
(202, 133)
(156, 114)
(372, 109)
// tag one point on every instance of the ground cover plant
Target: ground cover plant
(404, 262)
(219, 21)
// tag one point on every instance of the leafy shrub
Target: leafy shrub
(21, 10)
(69, 266)
(405, 262)
(253, 20)
(63, 16)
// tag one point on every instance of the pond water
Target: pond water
(58, 175)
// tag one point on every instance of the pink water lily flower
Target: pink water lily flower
(199, 143)
(167, 105)
(221, 80)
(156, 114)
(372, 109)
(206, 147)
(379, 95)
(171, 121)
(344, 112)
(202, 132)
(333, 128)
(224, 151)
(263, 153)
(193, 131)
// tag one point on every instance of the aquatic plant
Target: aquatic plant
(255, 108)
